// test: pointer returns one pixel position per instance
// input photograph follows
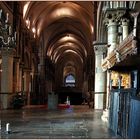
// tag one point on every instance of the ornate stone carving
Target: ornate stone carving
(125, 21)
(113, 15)
(110, 19)
(118, 55)
(99, 48)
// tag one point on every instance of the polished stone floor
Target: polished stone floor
(36, 123)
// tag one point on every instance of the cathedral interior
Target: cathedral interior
(70, 69)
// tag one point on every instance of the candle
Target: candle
(13, 39)
(10, 30)
(6, 26)
(0, 13)
(15, 35)
(7, 127)
(7, 17)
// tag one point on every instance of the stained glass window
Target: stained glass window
(70, 80)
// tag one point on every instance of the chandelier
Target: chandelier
(7, 38)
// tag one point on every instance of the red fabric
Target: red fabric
(63, 106)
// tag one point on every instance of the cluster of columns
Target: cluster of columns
(6, 76)
(13, 78)
(117, 31)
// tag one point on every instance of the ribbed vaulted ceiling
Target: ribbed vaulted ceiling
(64, 27)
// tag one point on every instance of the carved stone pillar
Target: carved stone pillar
(17, 74)
(135, 16)
(100, 76)
(108, 88)
(120, 32)
(20, 84)
(112, 34)
(125, 27)
(6, 76)
(27, 81)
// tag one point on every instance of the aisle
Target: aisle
(37, 123)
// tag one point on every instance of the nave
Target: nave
(76, 122)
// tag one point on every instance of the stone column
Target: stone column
(112, 34)
(135, 16)
(17, 74)
(20, 80)
(125, 28)
(120, 32)
(6, 76)
(108, 88)
(100, 76)
(26, 86)
(105, 116)
(20, 84)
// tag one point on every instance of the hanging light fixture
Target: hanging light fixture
(7, 39)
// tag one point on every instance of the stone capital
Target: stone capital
(125, 22)
(28, 70)
(121, 13)
(135, 14)
(17, 59)
(21, 65)
(99, 48)
(8, 52)
(112, 17)
(110, 21)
